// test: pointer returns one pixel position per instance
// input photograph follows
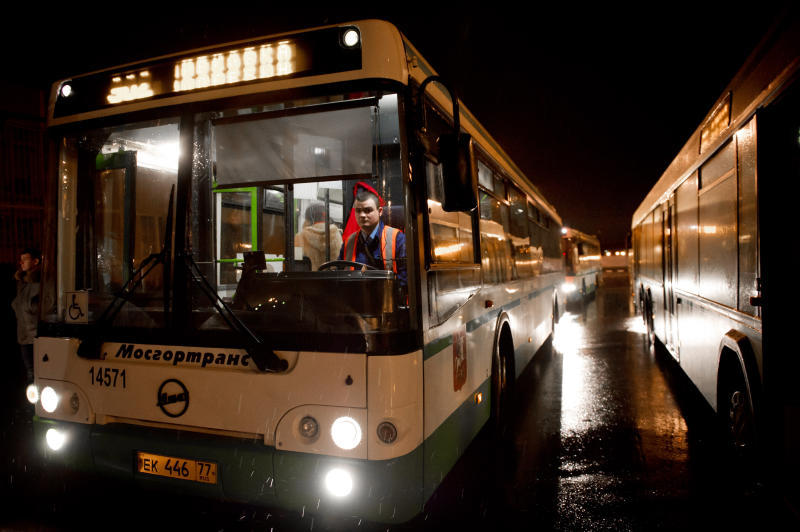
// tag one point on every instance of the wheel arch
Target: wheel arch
(736, 354)
(501, 331)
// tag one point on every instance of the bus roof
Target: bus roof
(571, 232)
(386, 54)
(382, 58)
(766, 71)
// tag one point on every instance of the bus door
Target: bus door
(115, 200)
(669, 277)
(237, 233)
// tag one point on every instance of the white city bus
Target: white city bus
(582, 262)
(187, 343)
(711, 253)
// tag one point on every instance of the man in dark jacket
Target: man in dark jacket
(26, 304)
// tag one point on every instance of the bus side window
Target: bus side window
(495, 246)
(717, 220)
(748, 222)
(537, 251)
(450, 232)
(453, 277)
(519, 232)
(686, 241)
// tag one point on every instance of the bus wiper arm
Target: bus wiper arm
(264, 357)
(90, 344)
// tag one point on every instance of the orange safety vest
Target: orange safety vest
(388, 247)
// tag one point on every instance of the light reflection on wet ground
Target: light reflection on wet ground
(607, 436)
(623, 437)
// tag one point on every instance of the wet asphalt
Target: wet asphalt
(606, 435)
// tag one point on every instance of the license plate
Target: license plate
(172, 467)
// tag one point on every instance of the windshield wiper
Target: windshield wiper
(264, 357)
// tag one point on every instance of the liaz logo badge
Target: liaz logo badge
(173, 398)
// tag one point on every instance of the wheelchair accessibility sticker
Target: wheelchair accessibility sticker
(76, 307)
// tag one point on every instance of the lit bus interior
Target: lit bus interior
(265, 183)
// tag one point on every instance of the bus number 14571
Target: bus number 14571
(108, 377)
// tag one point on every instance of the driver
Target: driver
(375, 243)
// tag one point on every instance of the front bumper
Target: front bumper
(249, 472)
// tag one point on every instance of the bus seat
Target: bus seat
(254, 260)
(394, 216)
(303, 265)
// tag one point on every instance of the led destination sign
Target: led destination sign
(320, 52)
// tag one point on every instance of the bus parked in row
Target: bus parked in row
(711, 254)
(582, 263)
(205, 327)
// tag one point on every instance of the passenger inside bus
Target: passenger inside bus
(374, 243)
(312, 236)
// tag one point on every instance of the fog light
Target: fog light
(350, 38)
(32, 393)
(346, 433)
(387, 432)
(49, 399)
(309, 428)
(55, 439)
(339, 482)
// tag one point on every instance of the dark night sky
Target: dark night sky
(591, 101)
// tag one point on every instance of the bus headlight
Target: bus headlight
(350, 38)
(55, 438)
(346, 433)
(339, 482)
(32, 393)
(49, 399)
(568, 287)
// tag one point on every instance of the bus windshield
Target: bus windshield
(272, 190)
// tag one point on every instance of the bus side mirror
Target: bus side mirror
(454, 152)
(459, 178)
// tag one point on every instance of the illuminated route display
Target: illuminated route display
(320, 52)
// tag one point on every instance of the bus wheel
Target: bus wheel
(502, 384)
(736, 414)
